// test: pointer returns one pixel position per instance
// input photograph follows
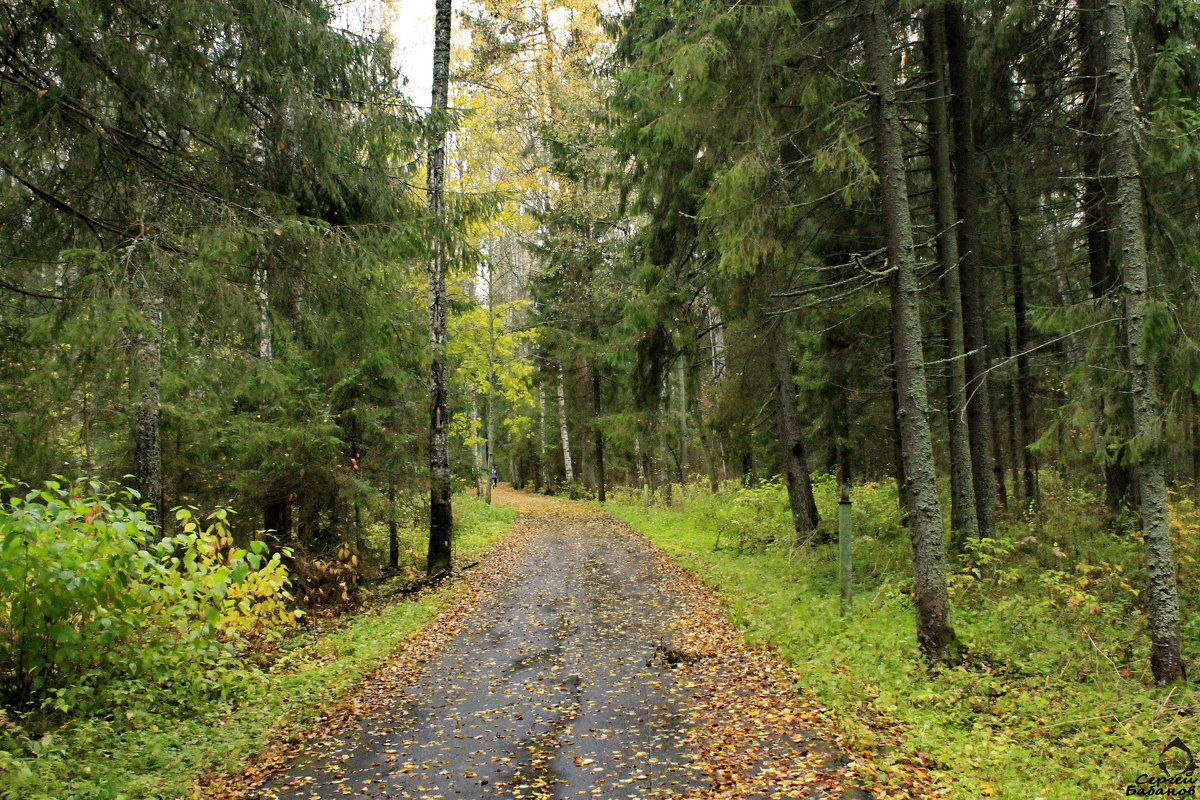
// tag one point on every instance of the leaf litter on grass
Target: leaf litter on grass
(578, 662)
(756, 731)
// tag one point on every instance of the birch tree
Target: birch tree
(441, 520)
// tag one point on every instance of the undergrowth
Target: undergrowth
(136, 747)
(1053, 698)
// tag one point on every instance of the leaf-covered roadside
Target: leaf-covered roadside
(153, 744)
(1052, 699)
(757, 729)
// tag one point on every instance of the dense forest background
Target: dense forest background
(950, 245)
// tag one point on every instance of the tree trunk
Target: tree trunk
(543, 461)
(681, 383)
(393, 534)
(263, 302)
(1101, 269)
(924, 515)
(645, 469)
(598, 435)
(583, 469)
(1111, 423)
(147, 437)
(277, 517)
(706, 454)
(562, 427)
(724, 460)
(490, 406)
(1166, 658)
(1028, 430)
(1195, 427)
(441, 519)
(750, 463)
(979, 407)
(1010, 418)
(897, 440)
(793, 454)
(277, 509)
(964, 522)
(716, 344)
(998, 462)
(476, 449)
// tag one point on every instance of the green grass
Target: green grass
(1054, 699)
(160, 752)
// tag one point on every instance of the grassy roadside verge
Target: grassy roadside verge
(160, 753)
(1053, 700)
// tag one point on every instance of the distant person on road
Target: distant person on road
(495, 477)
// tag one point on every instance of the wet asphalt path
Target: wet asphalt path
(543, 692)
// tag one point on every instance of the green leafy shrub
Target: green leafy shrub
(90, 593)
(756, 518)
(161, 749)
(205, 583)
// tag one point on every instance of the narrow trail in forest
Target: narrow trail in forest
(581, 663)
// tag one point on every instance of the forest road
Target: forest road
(588, 666)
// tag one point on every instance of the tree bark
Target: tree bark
(490, 406)
(543, 471)
(1195, 429)
(750, 463)
(645, 468)
(979, 407)
(930, 596)
(477, 458)
(681, 383)
(277, 510)
(564, 434)
(1111, 421)
(1024, 406)
(263, 302)
(792, 451)
(147, 363)
(897, 440)
(441, 519)
(1166, 660)
(277, 517)
(393, 533)
(998, 456)
(706, 454)
(964, 522)
(1010, 418)
(598, 435)
(1101, 269)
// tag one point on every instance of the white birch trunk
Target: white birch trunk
(265, 348)
(562, 426)
(545, 468)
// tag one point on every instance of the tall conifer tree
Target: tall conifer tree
(924, 513)
(1166, 658)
